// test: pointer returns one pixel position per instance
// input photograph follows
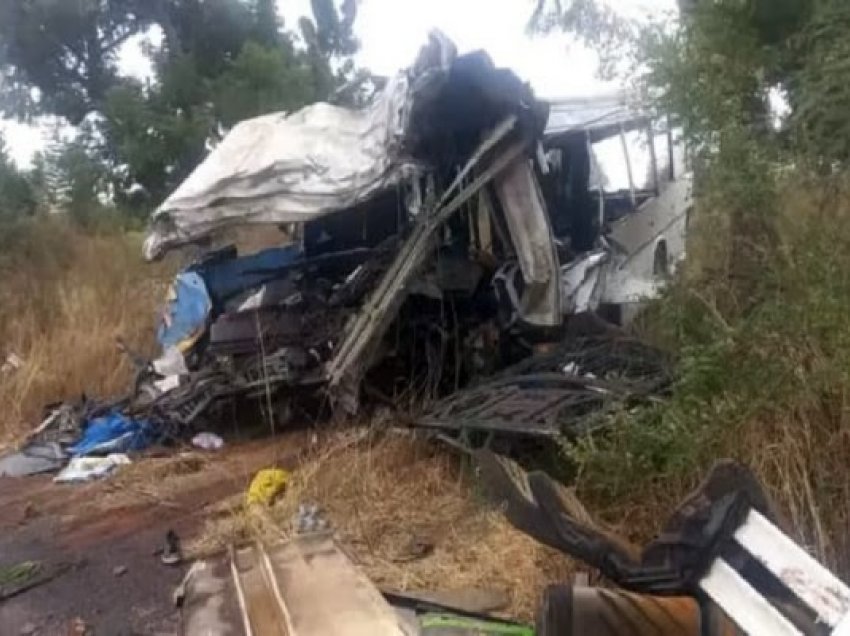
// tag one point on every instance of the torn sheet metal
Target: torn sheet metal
(33, 459)
(563, 391)
(288, 168)
(583, 282)
(531, 234)
(648, 246)
(380, 308)
(283, 168)
(538, 405)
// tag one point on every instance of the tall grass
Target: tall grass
(764, 377)
(65, 296)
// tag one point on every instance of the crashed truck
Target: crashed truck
(442, 233)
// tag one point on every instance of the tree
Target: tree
(330, 43)
(267, 29)
(59, 57)
(261, 80)
(74, 178)
(16, 195)
(159, 133)
(819, 93)
(220, 61)
(154, 137)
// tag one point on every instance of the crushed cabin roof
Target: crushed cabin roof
(286, 168)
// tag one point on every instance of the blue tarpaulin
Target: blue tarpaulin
(229, 277)
(185, 317)
(113, 433)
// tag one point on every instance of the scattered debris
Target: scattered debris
(61, 424)
(112, 432)
(465, 600)
(28, 629)
(15, 575)
(309, 519)
(564, 391)
(720, 542)
(12, 363)
(35, 458)
(172, 553)
(434, 623)
(78, 627)
(81, 469)
(208, 441)
(439, 237)
(26, 575)
(266, 485)
(308, 587)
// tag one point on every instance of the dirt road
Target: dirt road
(107, 534)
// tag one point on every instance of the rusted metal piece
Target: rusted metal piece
(540, 404)
(562, 391)
(579, 610)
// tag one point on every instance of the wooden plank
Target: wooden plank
(752, 612)
(259, 603)
(816, 586)
(324, 593)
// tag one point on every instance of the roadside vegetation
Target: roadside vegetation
(72, 278)
(66, 295)
(759, 316)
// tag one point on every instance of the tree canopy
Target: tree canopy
(217, 62)
(17, 197)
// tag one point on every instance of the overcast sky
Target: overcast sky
(391, 32)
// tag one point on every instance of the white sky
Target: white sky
(391, 32)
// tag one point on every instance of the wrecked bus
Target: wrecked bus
(438, 235)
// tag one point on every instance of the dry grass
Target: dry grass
(764, 379)
(65, 297)
(384, 493)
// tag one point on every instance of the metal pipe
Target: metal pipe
(599, 182)
(572, 610)
(628, 166)
(650, 133)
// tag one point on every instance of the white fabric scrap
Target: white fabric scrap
(208, 441)
(81, 469)
(171, 362)
(167, 383)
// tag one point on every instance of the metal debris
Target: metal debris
(436, 237)
(567, 390)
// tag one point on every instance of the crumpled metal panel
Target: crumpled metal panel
(287, 168)
(531, 234)
(282, 168)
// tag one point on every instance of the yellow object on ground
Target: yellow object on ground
(266, 485)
